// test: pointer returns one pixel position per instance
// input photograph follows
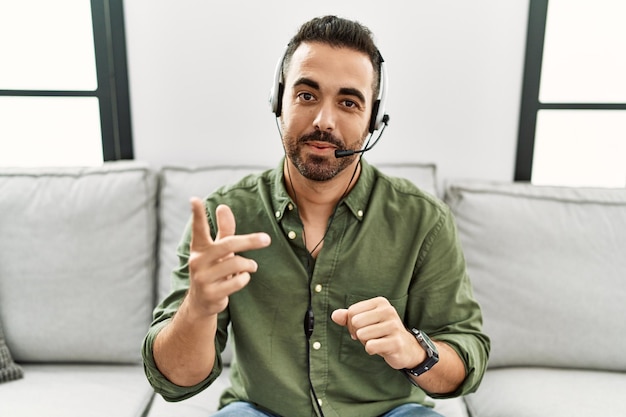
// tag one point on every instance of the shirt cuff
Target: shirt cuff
(163, 386)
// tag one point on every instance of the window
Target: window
(573, 116)
(63, 83)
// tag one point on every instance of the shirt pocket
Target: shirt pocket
(352, 352)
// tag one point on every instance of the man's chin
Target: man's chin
(319, 168)
(319, 171)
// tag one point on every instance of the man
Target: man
(369, 265)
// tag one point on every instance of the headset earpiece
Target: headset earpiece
(374, 122)
(378, 117)
(278, 88)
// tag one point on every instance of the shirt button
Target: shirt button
(277, 214)
(318, 288)
(359, 213)
(317, 345)
(290, 206)
(292, 235)
(320, 402)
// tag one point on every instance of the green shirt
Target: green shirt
(387, 239)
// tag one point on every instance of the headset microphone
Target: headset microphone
(349, 152)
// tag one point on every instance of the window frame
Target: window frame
(112, 74)
(530, 105)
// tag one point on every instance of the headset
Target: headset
(378, 119)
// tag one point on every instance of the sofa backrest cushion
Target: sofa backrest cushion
(77, 252)
(548, 266)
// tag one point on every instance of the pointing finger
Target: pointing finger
(200, 233)
(229, 245)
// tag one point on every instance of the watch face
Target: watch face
(432, 355)
(427, 344)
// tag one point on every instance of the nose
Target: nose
(325, 117)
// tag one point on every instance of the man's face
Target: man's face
(326, 106)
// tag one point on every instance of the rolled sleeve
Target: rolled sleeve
(445, 306)
(163, 386)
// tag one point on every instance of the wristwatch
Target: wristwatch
(432, 355)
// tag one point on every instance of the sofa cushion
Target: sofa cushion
(532, 392)
(548, 267)
(77, 390)
(76, 265)
(9, 370)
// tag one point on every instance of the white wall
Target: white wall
(200, 74)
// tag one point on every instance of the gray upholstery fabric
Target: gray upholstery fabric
(77, 390)
(547, 265)
(533, 392)
(9, 370)
(76, 264)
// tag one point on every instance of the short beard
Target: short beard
(315, 167)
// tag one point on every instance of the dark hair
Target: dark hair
(339, 32)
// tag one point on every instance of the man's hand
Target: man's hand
(184, 351)
(376, 324)
(215, 269)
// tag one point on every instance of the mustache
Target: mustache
(320, 136)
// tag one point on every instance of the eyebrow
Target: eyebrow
(352, 92)
(307, 81)
(347, 91)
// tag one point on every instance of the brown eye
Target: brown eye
(306, 96)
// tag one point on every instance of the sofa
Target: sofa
(85, 255)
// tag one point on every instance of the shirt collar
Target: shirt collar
(358, 198)
(356, 201)
(281, 201)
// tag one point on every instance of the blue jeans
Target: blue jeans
(243, 409)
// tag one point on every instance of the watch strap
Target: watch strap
(432, 354)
